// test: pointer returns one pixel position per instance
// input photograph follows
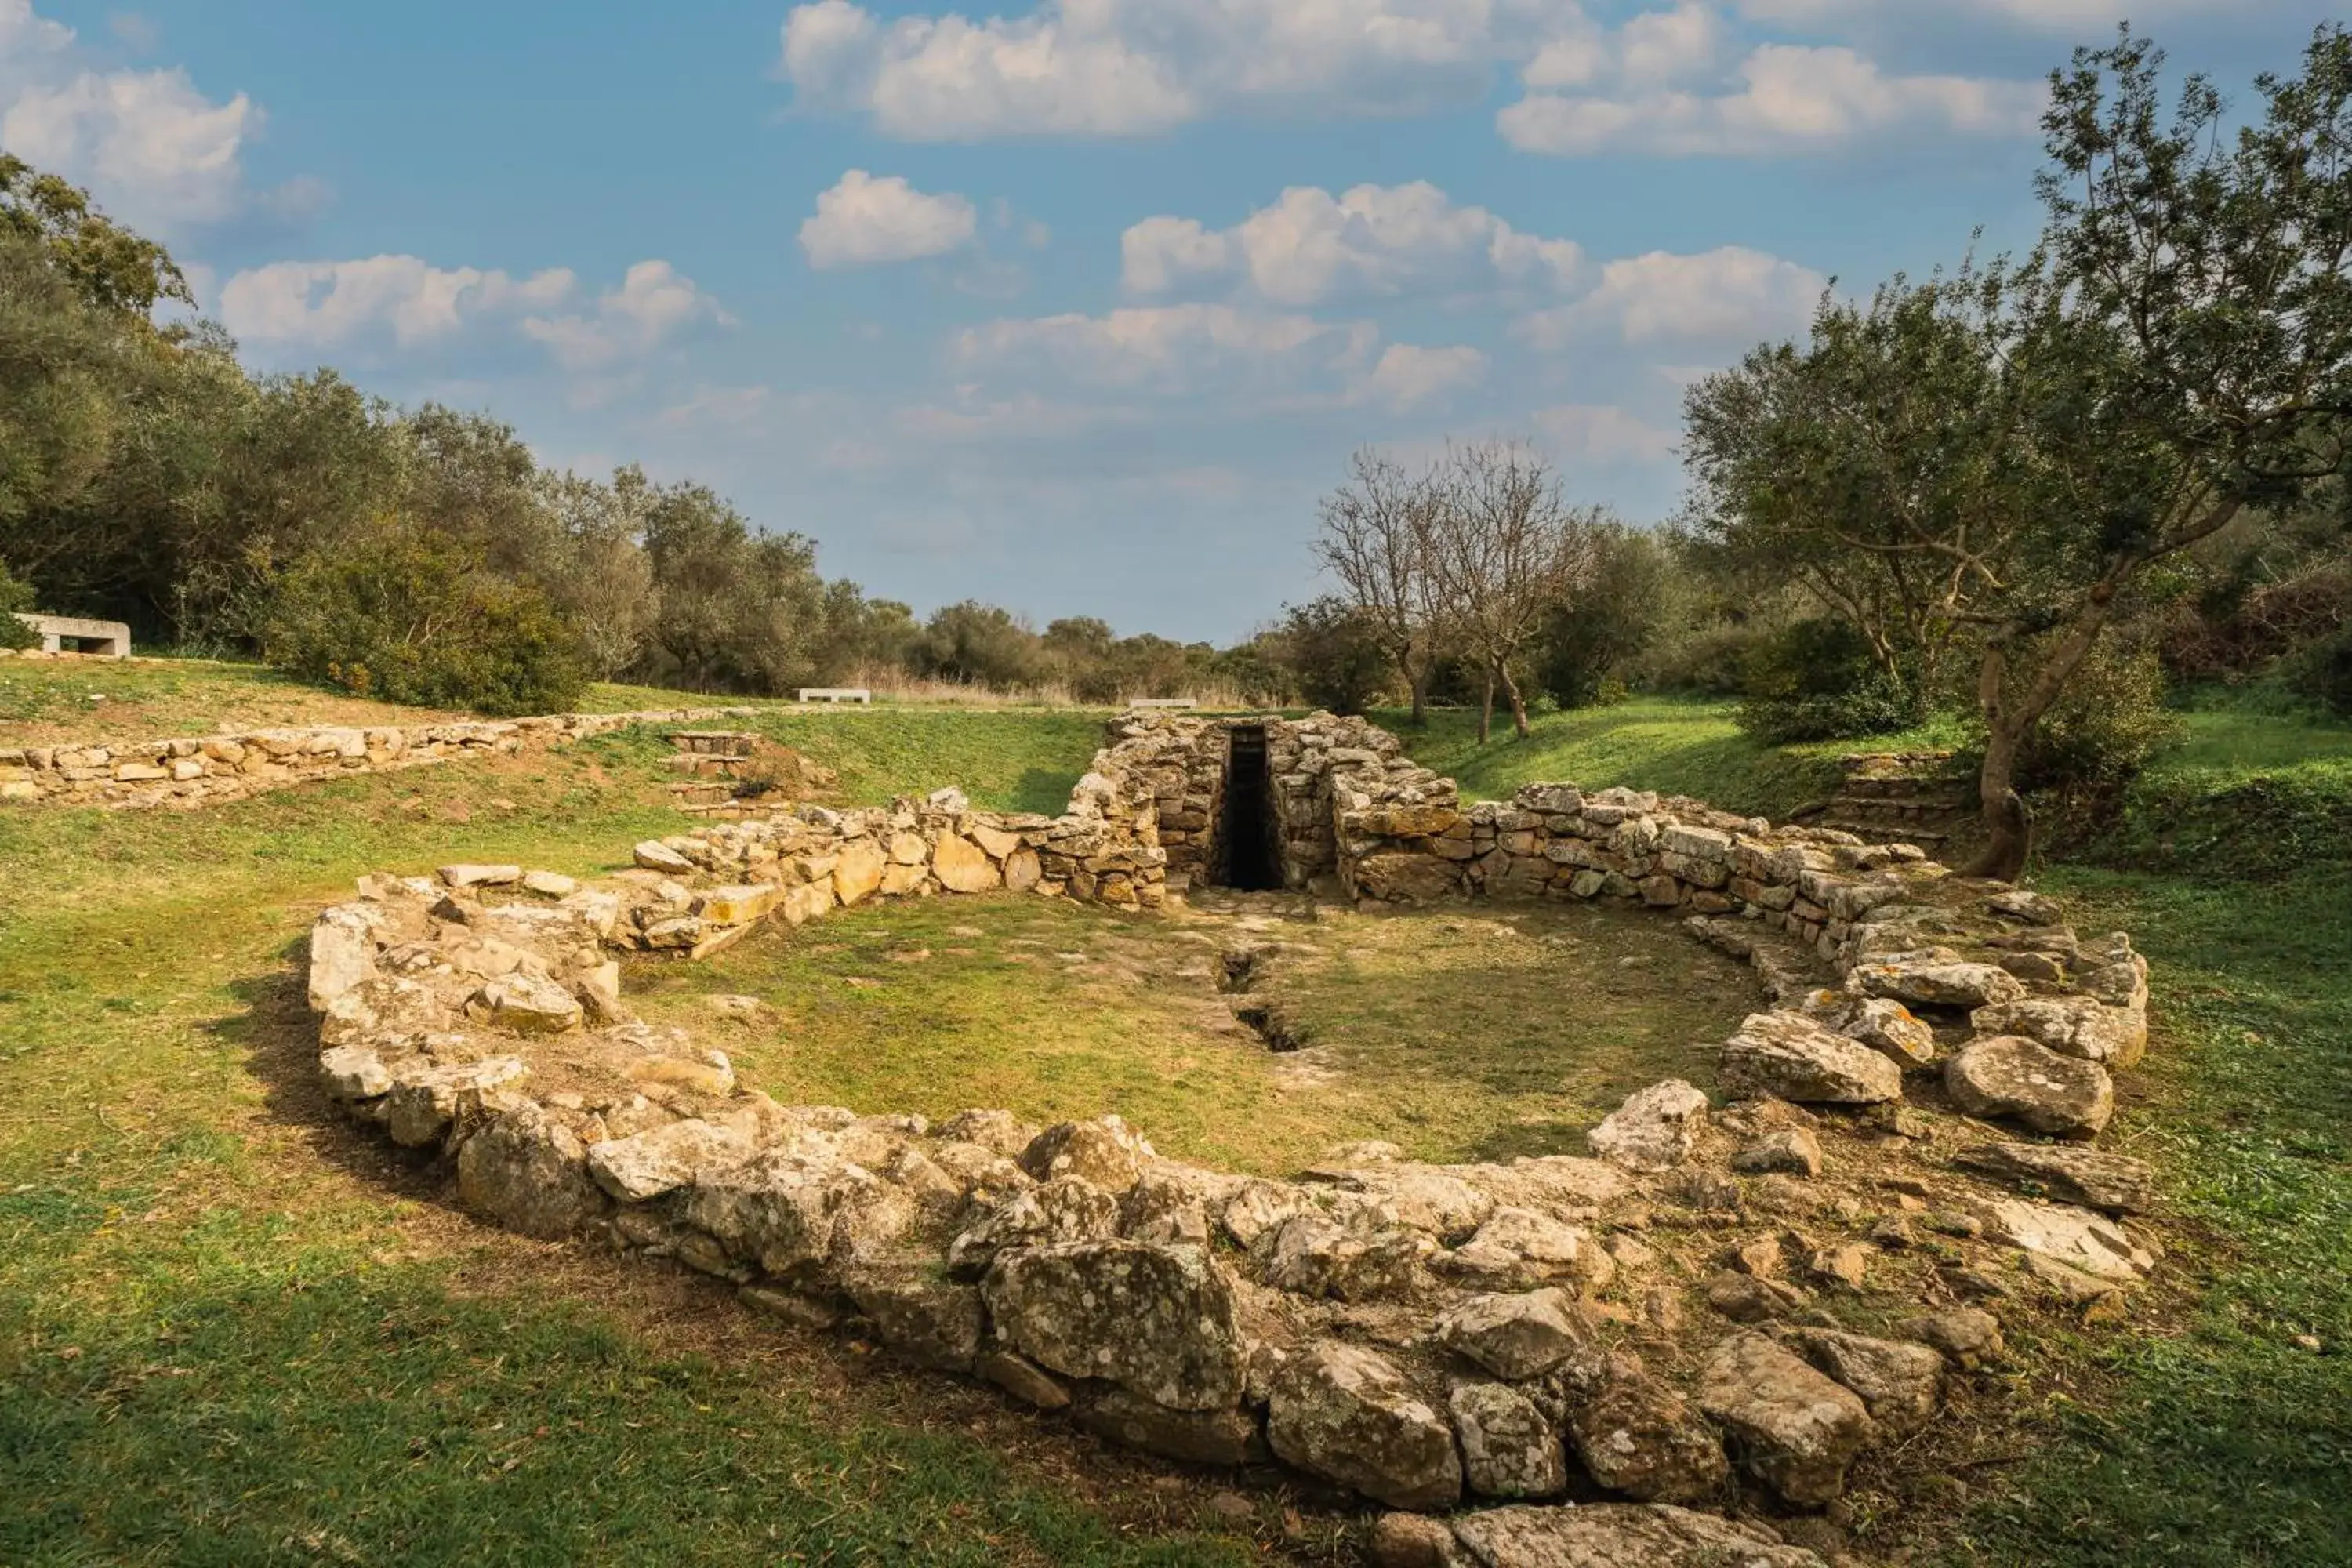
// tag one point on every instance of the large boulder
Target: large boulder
(1656, 1129)
(1893, 1030)
(529, 1172)
(1787, 1056)
(800, 1214)
(1311, 1256)
(1621, 1535)
(1066, 1209)
(1154, 1319)
(858, 872)
(1797, 1430)
(663, 1159)
(342, 953)
(1106, 1152)
(1346, 1414)
(1191, 1437)
(924, 1317)
(1638, 1437)
(525, 1004)
(963, 866)
(1514, 1336)
(1509, 1449)
(2068, 1173)
(1403, 876)
(1524, 1248)
(2010, 1076)
(2088, 1243)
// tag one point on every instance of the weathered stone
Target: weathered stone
(2072, 1026)
(1656, 1129)
(963, 866)
(473, 875)
(1311, 1256)
(1936, 979)
(1891, 1029)
(1424, 1198)
(420, 1107)
(1639, 1439)
(353, 1072)
(858, 872)
(1797, 1430)
(1969, 1337)
(1406, 877)
(528, 1004)
(663, 1159)
(550, 884)
(1532, 1248)
(1156, 1319)
(1508, 1448)
(2069, 1173)
(1105, 1152)
(1414, 1541)
(1024, 1379)
(2074, 1236)
(529, 1172)
(1023, 871)
(1622, 1535)
(924, 1317)
(2013, 1077)
(1790, 1056)
(1066, 1209)
(1899, 1381)
(1192, 1437)
(342, 953)
(655, 856)
(1514, 1336)
(1346, 1414)
(1793, 1151)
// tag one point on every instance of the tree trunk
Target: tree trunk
(1419, 681)
(2008, 827)
(1518, 701)
(1486, 709)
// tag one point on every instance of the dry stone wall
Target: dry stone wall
(1666, 1317)
(203, 770)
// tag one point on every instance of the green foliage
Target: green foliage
(1586, 648)
(2104, 728)
(15, 595)
(2321, 672)
(409, 616)
(1818, 680)
(1336, 653)
(110, 268)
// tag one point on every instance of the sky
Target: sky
(1077, 307)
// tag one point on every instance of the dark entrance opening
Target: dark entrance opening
(1246, 858)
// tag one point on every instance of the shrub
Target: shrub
(407, 617)
(1816, 680)
(15, 595)
(2100, 733)
(1331, 651)
(2321, 674)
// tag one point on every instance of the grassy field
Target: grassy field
(1442, 1034)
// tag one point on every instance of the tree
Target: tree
(1587, 642)
(1335, 652)
(109, 267)
(1505, 547)
(1374, 534)
(1996, 459)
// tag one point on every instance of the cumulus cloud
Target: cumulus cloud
(1408, 375)
(408, 302)
(1310, 247)
(1113, 68)
(1603, 434)
(154, 149)
(1722, 298)
(1168, 349)
(2075, 18)
(1788, 99)
(863, 221)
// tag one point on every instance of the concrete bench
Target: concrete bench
(1165, 702)
(836, 694)
(112, 637)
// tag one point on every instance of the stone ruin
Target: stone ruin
(1693, 1327)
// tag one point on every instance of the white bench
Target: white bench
(836, 694)
(56, 631)
(1165, 702)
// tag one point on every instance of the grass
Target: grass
(1443, 1035)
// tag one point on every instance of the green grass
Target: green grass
(1006, 760)
(1444, 1035)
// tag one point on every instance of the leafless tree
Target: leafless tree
(1375, 533)
(1506, 547)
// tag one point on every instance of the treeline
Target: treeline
(422, 556)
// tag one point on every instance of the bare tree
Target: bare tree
(1506, 547)
(1374, 532)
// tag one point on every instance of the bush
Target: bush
(2321, 674)
(15, 595)
(2104, 728)
(411, 617)
(1817, 680)
(1330, 649)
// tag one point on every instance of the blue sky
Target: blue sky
(1077, 307)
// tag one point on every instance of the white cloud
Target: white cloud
(1114, 67)
(314, 305)
(1789, 99)
(1602, 433)
(1171, 349)
(155, 149)
(1727, 297)
(1409, 375)
(2066, 17)
(864, 220)
(1373, 240)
